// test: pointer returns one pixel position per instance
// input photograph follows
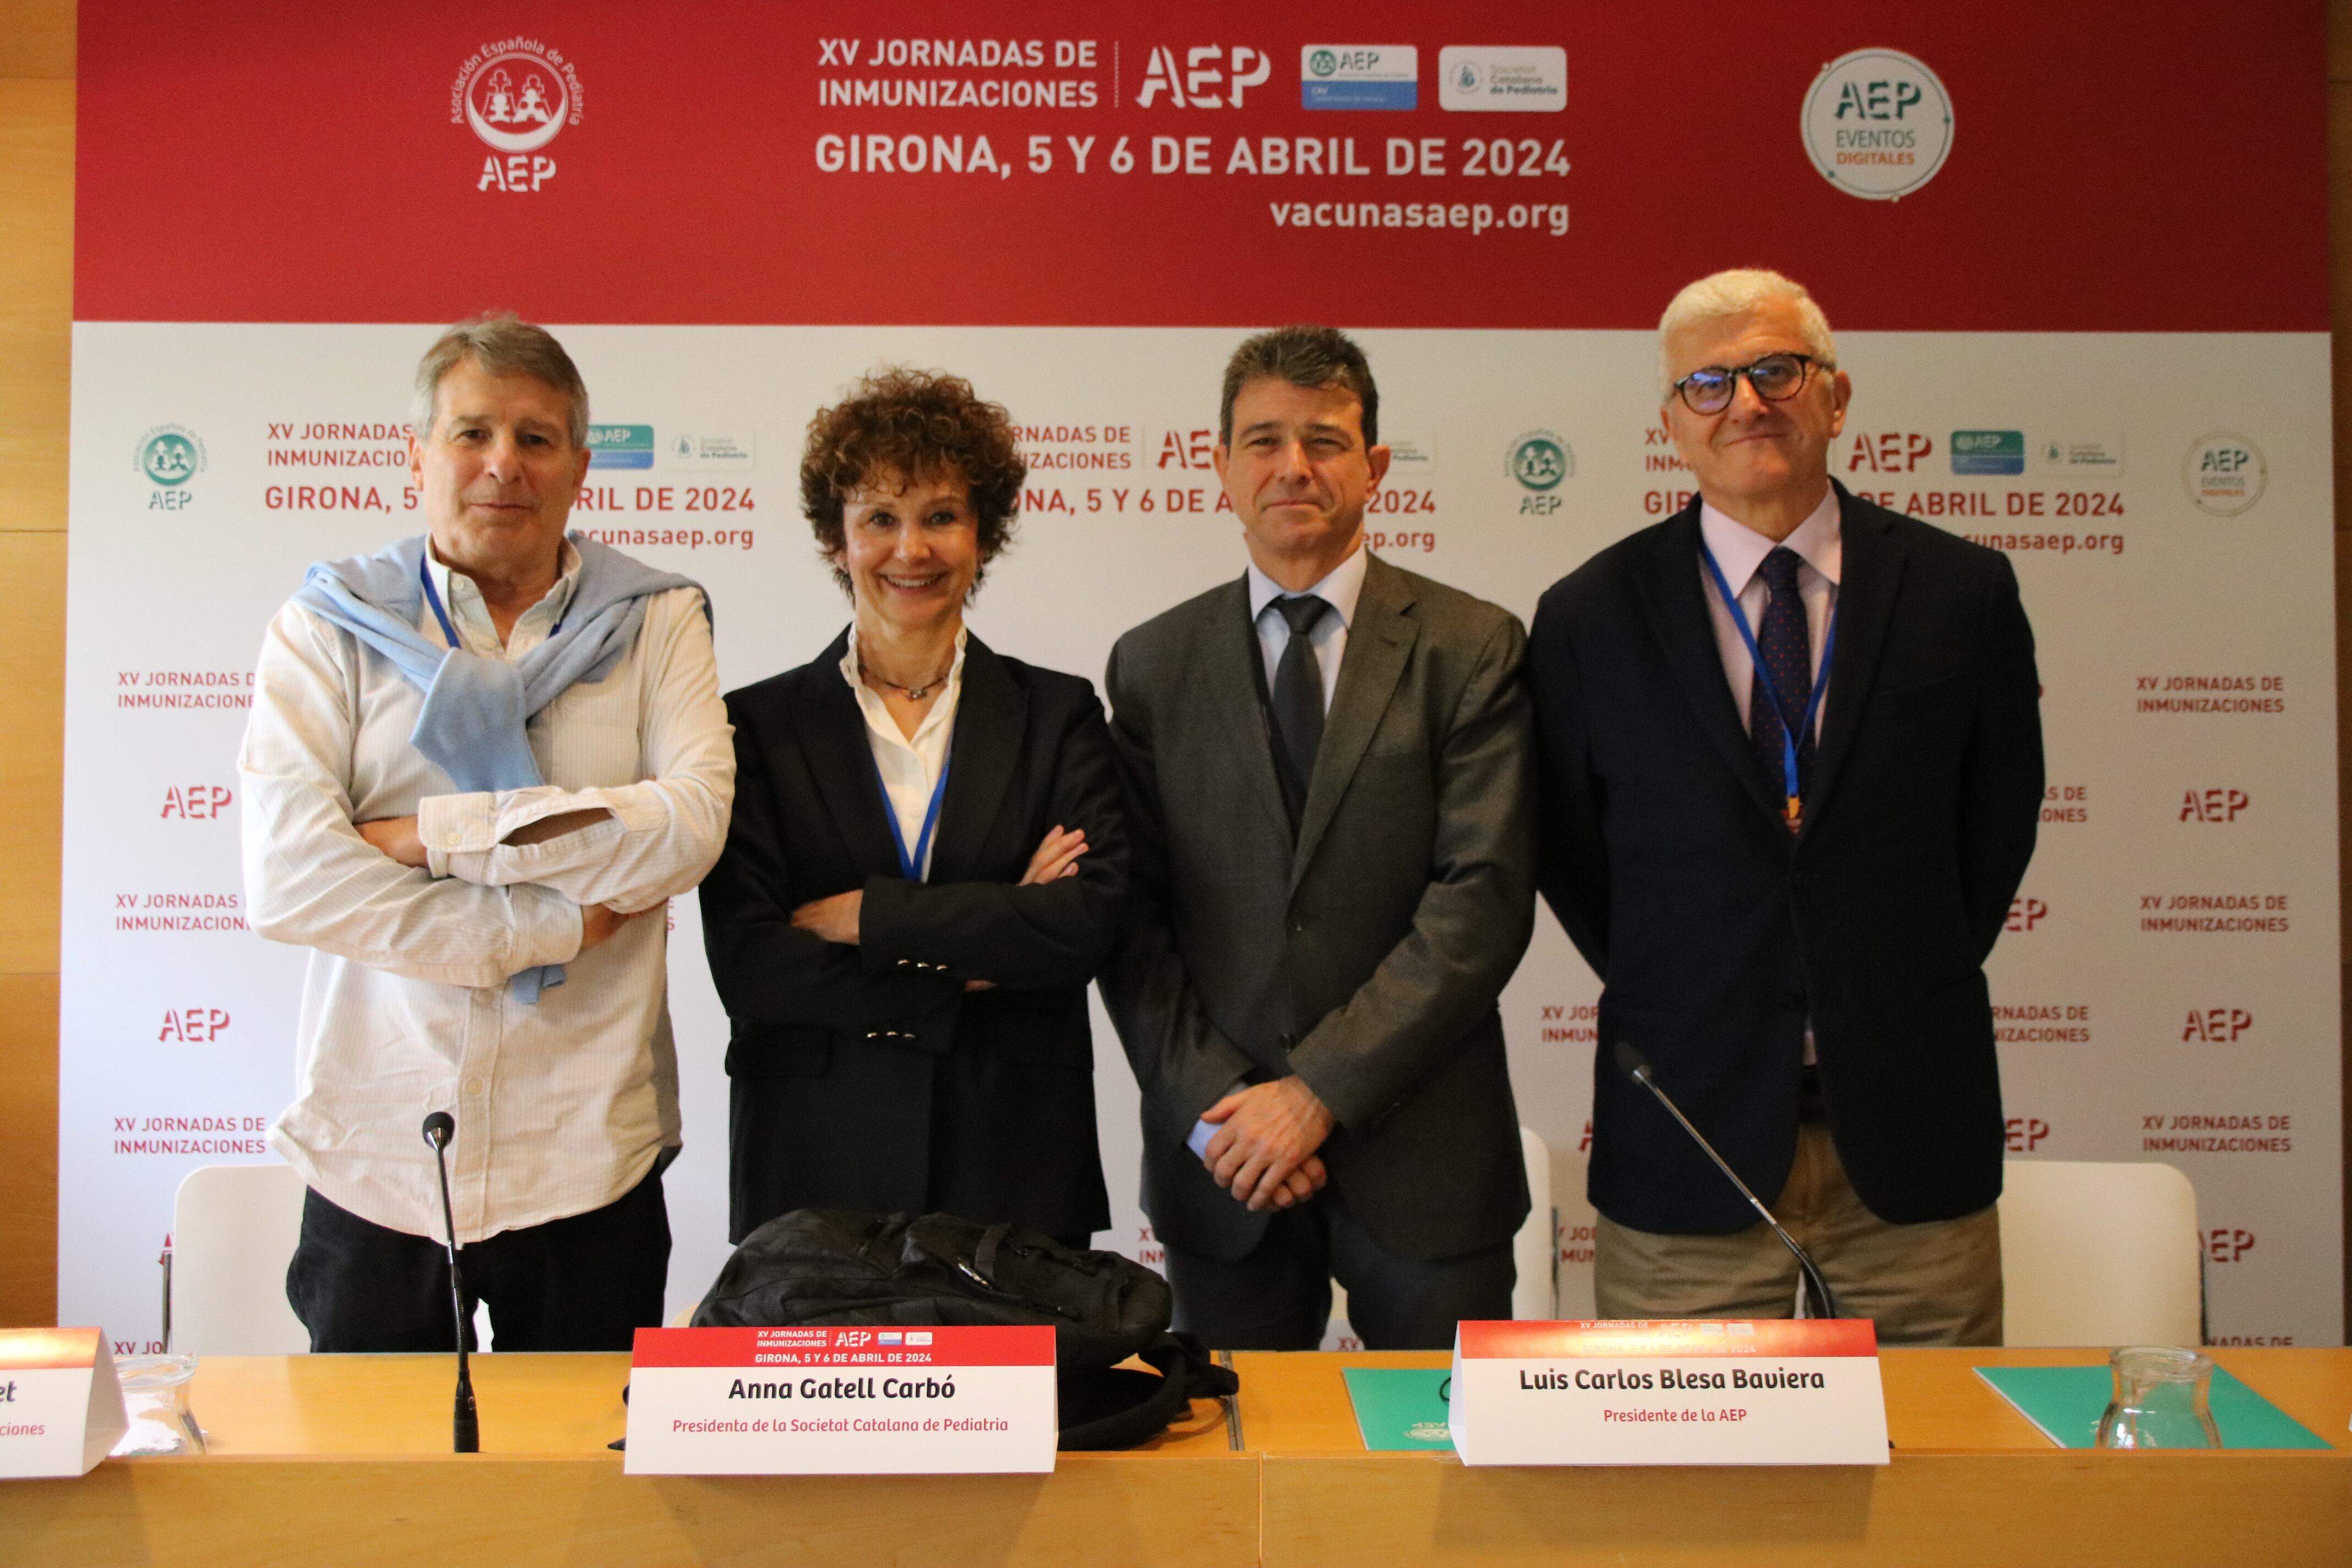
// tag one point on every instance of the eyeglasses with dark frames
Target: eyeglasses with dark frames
(1776, 378)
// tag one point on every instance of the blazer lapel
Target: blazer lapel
(1233, 674)
(1379, 643)
(841, 759)
(1677, 609)
(992, 715)
(1870, 573)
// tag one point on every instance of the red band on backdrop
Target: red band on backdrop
(2115, 167)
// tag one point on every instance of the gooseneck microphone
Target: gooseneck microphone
(1820, 1302)
(466, 1432)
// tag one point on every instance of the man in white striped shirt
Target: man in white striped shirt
(477, 767)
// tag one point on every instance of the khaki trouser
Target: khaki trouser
(1932, 1284)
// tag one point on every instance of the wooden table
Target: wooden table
(1972, 1484)
(344, 1460)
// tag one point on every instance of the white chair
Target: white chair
(2100, 1255)
(1532, 1249)
(232, 1232)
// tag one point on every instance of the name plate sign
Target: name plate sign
(841, 1402)
(60, 1405)
(1796, 1392)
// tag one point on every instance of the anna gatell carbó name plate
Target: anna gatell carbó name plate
(1796, 1392)
(841, 1402)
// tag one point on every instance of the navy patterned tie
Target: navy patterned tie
(1298, 699)
(1788, 650)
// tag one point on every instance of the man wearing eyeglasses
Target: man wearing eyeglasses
(1791, 768)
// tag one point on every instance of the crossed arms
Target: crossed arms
(474, 886)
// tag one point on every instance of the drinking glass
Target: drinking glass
(2160, 1400)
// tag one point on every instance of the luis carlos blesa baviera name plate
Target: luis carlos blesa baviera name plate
(1697, 1393)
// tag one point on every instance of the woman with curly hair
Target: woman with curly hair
(925, 863)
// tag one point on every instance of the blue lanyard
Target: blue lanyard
(910, 865)
(433, 597)
(1756, 657)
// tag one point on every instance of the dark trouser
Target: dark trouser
(583, 1283)
(1278, 1296)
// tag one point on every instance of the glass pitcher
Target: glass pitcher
(2160, 1400)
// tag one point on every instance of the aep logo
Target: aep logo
(2023, 1134)
(196, 802)
(193, 1025)
(169, 455)
(2212, 806)
(1892, 452)
(2024, 914)
(1212, 76)
(2217, 1026)
(1538, 460)
(517, 96)
(2224, 474)
(1187, 449)
(1877, 123)
(2228, 1244)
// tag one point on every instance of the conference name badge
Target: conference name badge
(1798, 1392)
(842, 1402)
(60, 1405)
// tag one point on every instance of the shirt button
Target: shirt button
(455, 839)
(473, 1086)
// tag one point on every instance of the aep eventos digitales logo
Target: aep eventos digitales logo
(1877, 123)
(2224, 474)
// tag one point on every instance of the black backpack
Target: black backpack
(836, 1267)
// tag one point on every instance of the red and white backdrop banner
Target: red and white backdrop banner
(2076, 256)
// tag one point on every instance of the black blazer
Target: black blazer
(866, 1076)
(1716, 935)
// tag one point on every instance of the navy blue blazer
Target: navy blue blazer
(1717, 934)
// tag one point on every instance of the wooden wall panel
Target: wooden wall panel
(32, 741)
(35, 300)
(37, 141)
(28, 1163)
(36, 39)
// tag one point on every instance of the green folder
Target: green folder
(1399, 1408)
(2066, 1401)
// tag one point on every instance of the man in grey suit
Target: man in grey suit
(1330, 790)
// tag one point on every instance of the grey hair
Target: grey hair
(1735, 293)
(1309, 356)
(499, 342)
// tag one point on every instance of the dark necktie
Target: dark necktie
(1298, 699)
(1787, 646)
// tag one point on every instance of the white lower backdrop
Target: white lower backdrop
(2168, 989)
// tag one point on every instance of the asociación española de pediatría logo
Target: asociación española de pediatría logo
(1877, 123)
(1539, 461)
(169, 456)
(517, 96)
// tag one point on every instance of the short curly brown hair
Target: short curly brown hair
(921, 425)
